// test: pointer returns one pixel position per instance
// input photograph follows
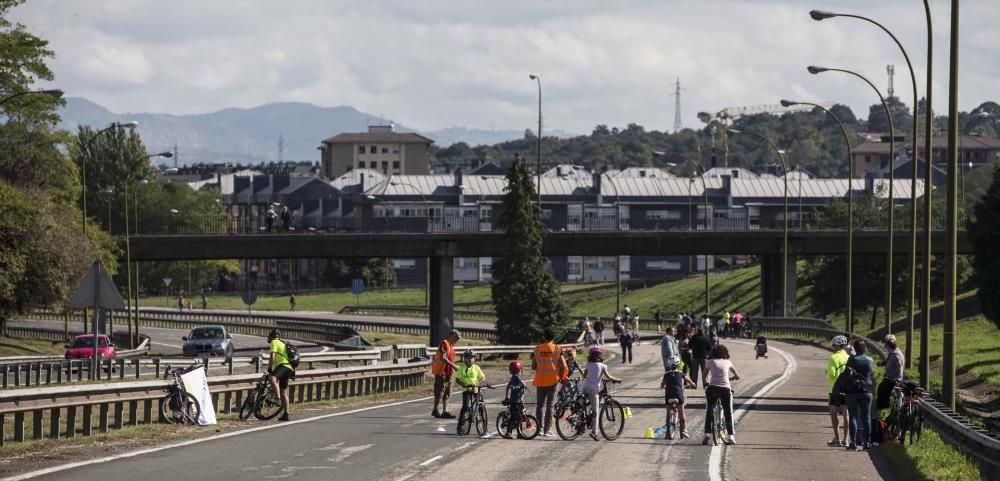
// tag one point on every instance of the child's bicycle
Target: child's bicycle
(476, 413)
(179, 406)
(575, 417)
(673, 419)
(515, 417)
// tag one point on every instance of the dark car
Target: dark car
(208, 341)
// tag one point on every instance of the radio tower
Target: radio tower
(891, 70)
(677, 107)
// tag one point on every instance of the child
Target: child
(469, 377)
(514, 397)
(673, 383)
(593, 373)
(761, 347)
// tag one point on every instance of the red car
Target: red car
(83, 347)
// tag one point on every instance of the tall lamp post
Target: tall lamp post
(925, 321)
(83, 161)
(618, 257)
(819, 15)
(784, 241)
(951, 230)
(850, 207)
(892, 200)
(538, 159)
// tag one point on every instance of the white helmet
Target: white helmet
(674, 362)
(840, 341)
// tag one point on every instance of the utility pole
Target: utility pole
(176, 156)
(677, 106)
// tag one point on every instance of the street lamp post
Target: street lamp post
(850, 208)
(951, 230)
(892, 200)
(784, 241)
(538, 160)
(925, 322)
(821, 15)
(83, 163)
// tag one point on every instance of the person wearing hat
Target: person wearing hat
(281, 369)
(443, 367)
(893, 372)
(835, 365)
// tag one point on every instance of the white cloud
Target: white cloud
(452, 62)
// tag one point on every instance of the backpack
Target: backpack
(880, 431)
(293, 355)
(854, 382)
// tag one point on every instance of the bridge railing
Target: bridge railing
(979, 445)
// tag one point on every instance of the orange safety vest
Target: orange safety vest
(438, 366)
(548, 368)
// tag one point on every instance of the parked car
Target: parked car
(211, 340)
(82, 347)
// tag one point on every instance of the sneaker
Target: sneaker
(435, 413)
(447, 415)
(284, 417)
(706, 439)
(548, 434)
(859, 448)
(593, 436)
(844, 443)
(731, 439)
(834, 443)
(851, 447)
(685, 435)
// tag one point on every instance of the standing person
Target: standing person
(443, 367)
(673, 383)
(728, 329)
(281, 369)
(588, 332)
(684, 341)
(838, 402)
(706, 322)
(269, 218)
(659, 321)
(720, 327)
(180, 303)
(514, 397)
(717, 384)
(625, 341)
(204, 299)
(548, 363)
(668, 349)
(893, 372)
(291, 302)
(635, 328)
(626, 313)
(687, 321)
(286, 218)
(599, 330)
(859, 397)
(469, 376)
(713, 339)
(738, 323)
(594, 371)
(700, 349)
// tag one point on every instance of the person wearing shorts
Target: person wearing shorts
(281, 370)
(673, 383)
(837, 400)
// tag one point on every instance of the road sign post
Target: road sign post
(98, 291)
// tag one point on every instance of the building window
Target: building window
(868, 159)
(395, 164)
(385, 150)
(373, 149)
(395, 150)
(361, 164)
(663, 215)
(361, 149)
(573, 268)
(373, 165)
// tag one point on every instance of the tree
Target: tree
(23, 64)
(984, 233)
(526, 294)
(116, 160)
(374, 271)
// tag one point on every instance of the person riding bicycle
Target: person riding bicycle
(718, 387)
(761, 347)
(281, 369)
(673, 383)
(469, 377)
(514, 398)
(593, 373)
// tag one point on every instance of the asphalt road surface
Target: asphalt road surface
(418, 321)
(402, 441)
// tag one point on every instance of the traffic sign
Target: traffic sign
(167, 281)
(357, 286)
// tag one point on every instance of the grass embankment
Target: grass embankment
(930, 459)
(977, 353)
(389, 338)
(17, 346)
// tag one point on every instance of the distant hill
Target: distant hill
(251, 135)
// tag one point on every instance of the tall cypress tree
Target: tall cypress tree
(526, 294)
(984, 233)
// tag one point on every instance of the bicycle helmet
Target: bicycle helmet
(515, 367)
(674, 362)
(596, 350)
(840, 341)
(274, 334)
(468, 353)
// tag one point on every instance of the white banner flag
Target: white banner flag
(196, 383)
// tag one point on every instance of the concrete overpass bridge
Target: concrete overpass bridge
(441, 248)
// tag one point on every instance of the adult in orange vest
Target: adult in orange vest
(443, 367)
(549, 366)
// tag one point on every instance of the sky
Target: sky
(444, 63)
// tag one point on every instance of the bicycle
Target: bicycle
(476, 412)
(575, 417)
(569, 391)
(718, 429)
(261, 401)
(179, 406)
(527, 424)
(673, 419)
(905, 416)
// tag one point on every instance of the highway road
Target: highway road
(417, 321)
(401, 441)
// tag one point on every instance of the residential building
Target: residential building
(381, 149)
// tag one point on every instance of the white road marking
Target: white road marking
(470, 443)
(64, 467)
(716, 459)
(429, 461)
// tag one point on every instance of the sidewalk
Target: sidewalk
(784, 436)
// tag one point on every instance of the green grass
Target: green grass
(977, 351)
(930, 459)
(15, 346)
(389, 338)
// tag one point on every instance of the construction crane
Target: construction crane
(724, 115)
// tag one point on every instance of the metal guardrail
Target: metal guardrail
(980, 446)
(69, 411)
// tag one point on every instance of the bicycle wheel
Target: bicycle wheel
(179, 407)
(528, 428)
(503, 418)
(612, 421)
(916, 427)
(571, 421)
(466, 420)
(482, 420)
(246, 409)
(671, 425)
(268, 406)
(717, 434)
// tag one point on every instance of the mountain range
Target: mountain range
(252, 135)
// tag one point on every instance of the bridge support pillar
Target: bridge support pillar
(442, 307)
(771, 281)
